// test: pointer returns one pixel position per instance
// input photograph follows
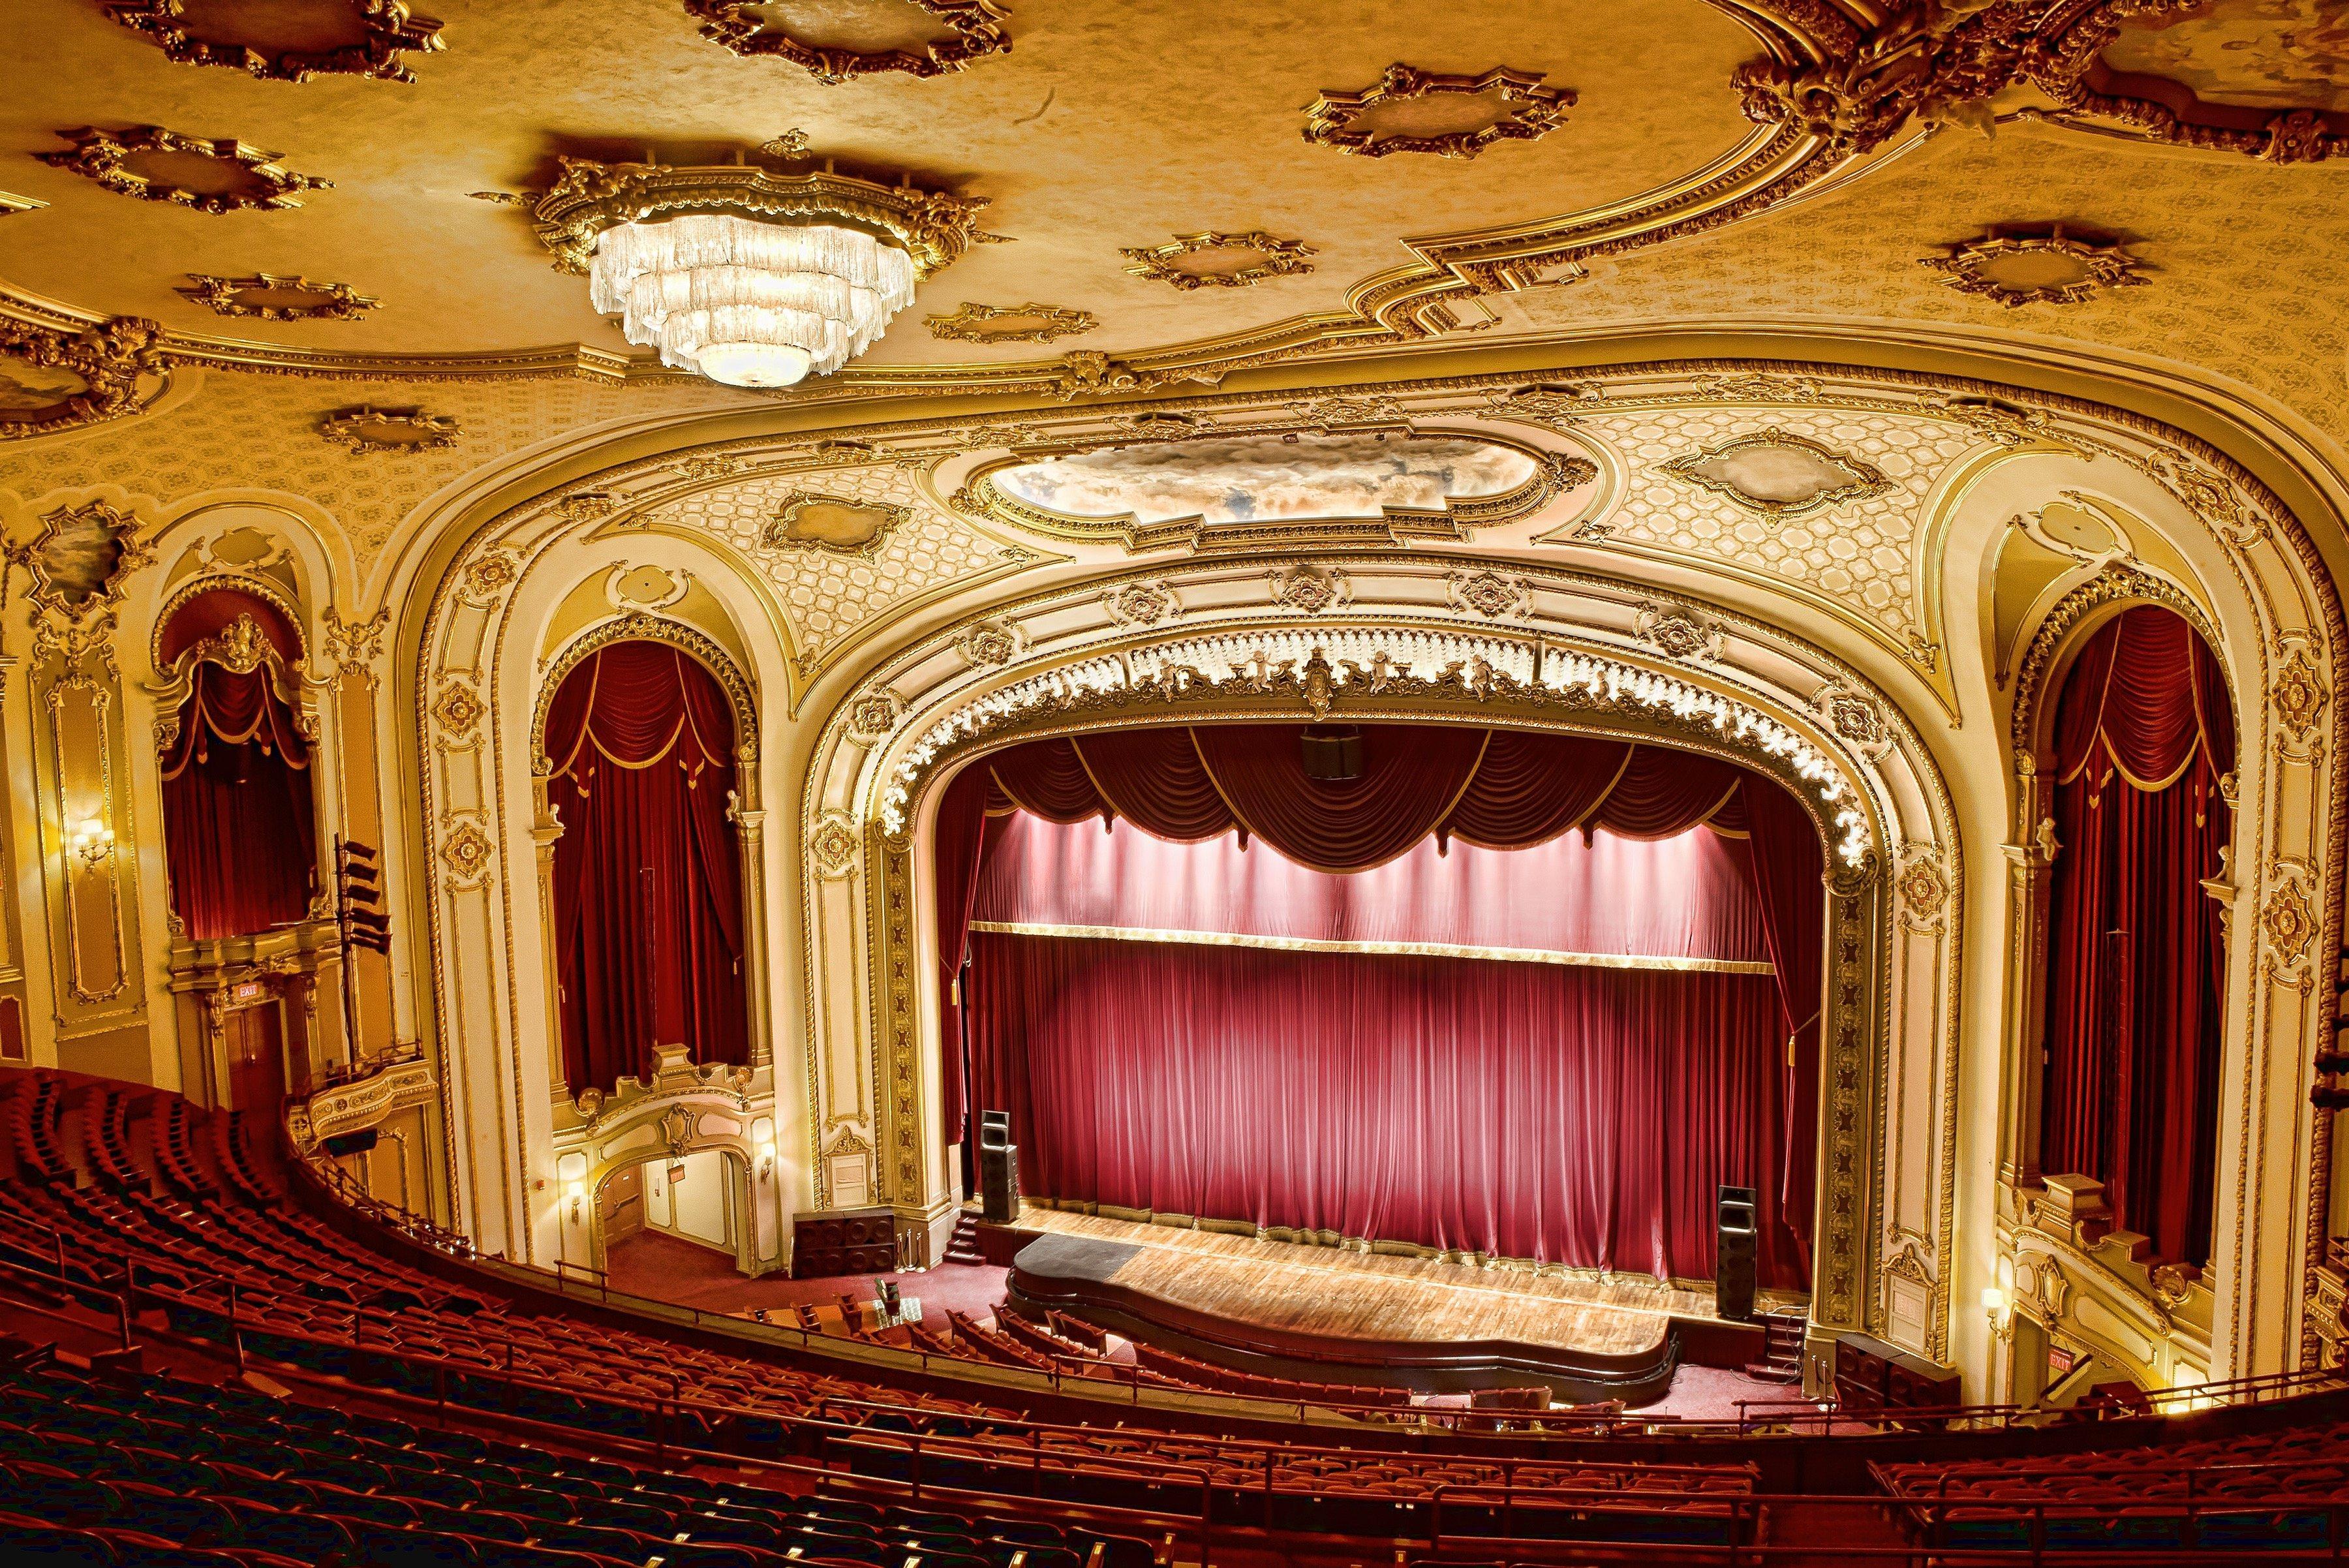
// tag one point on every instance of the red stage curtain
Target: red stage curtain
(1530, 788)
(1572, 1115)
(642, 740)
(239, 837)
(1789, 870)
(965, 833)
(1411, 776)
(2136, 964)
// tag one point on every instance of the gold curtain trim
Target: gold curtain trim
(1408, 949)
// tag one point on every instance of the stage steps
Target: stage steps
(962, 1247)
(1782, 1348)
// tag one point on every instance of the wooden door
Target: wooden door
(620, 1206)
(256, 1060)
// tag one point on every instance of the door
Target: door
(256, 1060)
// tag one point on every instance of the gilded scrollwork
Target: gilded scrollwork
(132, 163)
(113, 369)
(973, 29)
(1213, 258)
(268, 296)
(1521, 109)
(385, 30)
(2053, 268)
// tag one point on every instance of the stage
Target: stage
(1307, 1312)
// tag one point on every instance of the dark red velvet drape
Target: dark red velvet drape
(239, 837)
(2136, 963)
(642, 740)
(966, 831)
(1572, 1115)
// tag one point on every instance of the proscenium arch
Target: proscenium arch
(872, 922)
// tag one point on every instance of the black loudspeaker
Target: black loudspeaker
(342, 1144)
(1333, 752)
(998, 1169)
(1733, 1254)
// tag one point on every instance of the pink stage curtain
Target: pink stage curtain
(2136, 964)
(239, 839)
(648, 874)
(1572, 1115)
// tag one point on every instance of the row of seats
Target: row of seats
(308, 1297)
(131, 1469)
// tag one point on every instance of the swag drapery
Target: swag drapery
(2136, 967)
(648, 875)
(1572, 1113)
(239, 839)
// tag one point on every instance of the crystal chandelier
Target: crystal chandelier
(749, 275)
(748, 303)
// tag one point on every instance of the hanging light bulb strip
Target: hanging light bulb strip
(1322, 666)
(747, 276)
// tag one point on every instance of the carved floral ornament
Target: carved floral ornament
(2290, 921)
(1309, 589)
(1323, 667)
(833, 846)
(53, 380)
(1923, 884)
(1412, 110)
(873, 716)
(963, 31)
(267, 297)
(370, 430)
(2018, 269)
(459, 709)
(1213, 258)
(1493, 595)
(972, 323)
(466, 850)
(1141, 604)
(1676, 632)
(2299, 697)
(138, 162)
(360, 38)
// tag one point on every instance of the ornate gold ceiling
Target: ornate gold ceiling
(1529, 170)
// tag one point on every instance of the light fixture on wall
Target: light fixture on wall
(762, 1140)
(748, 275)
(2000, 1309)
(572, 1171)
(91, 842)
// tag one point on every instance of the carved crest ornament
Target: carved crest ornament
(1213, 259)
(139, 163)
(964, 31)
(52, 379)
(268, 297)
(367, 40)
(1501, 105)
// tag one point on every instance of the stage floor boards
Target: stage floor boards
(1326, 1293)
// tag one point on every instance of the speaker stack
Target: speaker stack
(998, 1169)
(1733, 1254)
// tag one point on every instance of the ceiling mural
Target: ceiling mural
(2251, 54)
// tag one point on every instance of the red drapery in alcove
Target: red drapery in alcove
(239, 840)
(641, 738)
(1697, 1067)
(2136, 968)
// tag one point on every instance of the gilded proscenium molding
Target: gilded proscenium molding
(270, 297)
(973, 323)
(379, 32)
(933, 227)
(1274, 258)
(1523, 109)
(119, 363)
(107, 158)
(2019, 269)
(365, 430)
(973, 30)
(1331, 667)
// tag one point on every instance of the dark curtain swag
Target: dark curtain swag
(2136, 967)
(239, 839)
(647, 876)
(1574, 1115)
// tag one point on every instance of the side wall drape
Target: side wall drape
(1569, 1115)
(648, 873)
(2136, 967)
(239, 841)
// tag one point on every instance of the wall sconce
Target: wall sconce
(1999, 1308)
(91, 842)
(572, 1171)
(763, 1139)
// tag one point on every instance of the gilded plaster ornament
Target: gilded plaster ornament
(80, 560)
(841, 525)
(2299, 697)
(1448, 116)
(465, 850)
(2018, 269)
(1493, 595)
(1779, 475)
(1309, 589)
(873, 715)
(833, 845)
(1923, 885)
(269, 298)
(459, 709)
(961, 31)
(1215, 259)
(1677, 632)
(331, 38)
(401, 431)
(1141, 604)
(972, 323)
(53, 379)
(989, 645)
(148, 162)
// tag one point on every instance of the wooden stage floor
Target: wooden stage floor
(1294, 1289)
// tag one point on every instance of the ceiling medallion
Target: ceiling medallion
(837, 524)
(1220, 260)
(2041, 269)
(52, 380)
(918, 37)
(783, 276)
(1780, 476)
(365, 429)
(158, 165)
(285, 43)
(80, 558)
(273, 298)
(1410, 110)
(1009, 323)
